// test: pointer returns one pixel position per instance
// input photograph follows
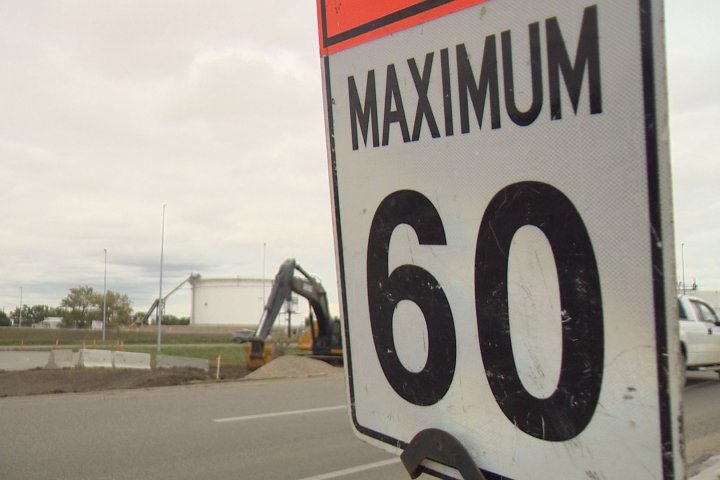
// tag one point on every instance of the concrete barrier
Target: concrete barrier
(22, 360)
(60, 359)
(167, 361)
(95, 358)
(140, 361)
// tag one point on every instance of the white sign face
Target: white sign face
(502, 212)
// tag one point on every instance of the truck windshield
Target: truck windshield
(706, 313)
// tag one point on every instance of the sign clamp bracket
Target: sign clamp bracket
(440, 446)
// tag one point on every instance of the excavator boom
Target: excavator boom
(327, 340)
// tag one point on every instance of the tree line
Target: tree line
(81, 307)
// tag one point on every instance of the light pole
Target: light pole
(682, 256)
(160, 305)
(263, 276)
(21, 305)
(104, 294)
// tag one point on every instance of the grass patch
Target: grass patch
(230, 355)
(176, 342)
(13, 336)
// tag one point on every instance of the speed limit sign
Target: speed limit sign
(502, 212)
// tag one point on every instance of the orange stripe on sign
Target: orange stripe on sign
(346, 23)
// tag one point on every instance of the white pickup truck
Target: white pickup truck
(699, 334)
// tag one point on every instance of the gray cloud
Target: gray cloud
(116, 108)
(693, 68)
(112, 109)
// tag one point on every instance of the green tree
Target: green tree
(23, 320)
(118, 308)
(34, 314)
(169, 319)
(4, 319)
(38, 313)
(83, 305)
(79, 305)
(15, 316)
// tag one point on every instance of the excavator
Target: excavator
(325, 334)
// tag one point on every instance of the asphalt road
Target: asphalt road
(229, 430)
(189, 432)
(701, 398)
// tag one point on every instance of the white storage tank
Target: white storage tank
(238, 301)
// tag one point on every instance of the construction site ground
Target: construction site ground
(47, 381)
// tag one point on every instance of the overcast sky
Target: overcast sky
(111, 108)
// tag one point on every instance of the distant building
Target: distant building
(237, 301)
(50, 322)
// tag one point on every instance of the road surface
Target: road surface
(701, 398)
(190, 432)
(283, 429)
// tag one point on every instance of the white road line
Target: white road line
(279, 414)
(351, 470)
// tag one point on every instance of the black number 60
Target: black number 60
(569, 409)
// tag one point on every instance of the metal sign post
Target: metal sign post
(500, 176)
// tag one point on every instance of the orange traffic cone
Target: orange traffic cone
(57, 343)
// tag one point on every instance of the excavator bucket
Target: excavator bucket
(258, 353)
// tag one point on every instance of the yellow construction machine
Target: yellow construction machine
(324, 332)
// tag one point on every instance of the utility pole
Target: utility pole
(682, 254)
(160, 305)
(289, 312)
(104, 294)
(21, 305)
(263, 276)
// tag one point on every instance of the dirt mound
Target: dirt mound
(39, 381)
(291, 366)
